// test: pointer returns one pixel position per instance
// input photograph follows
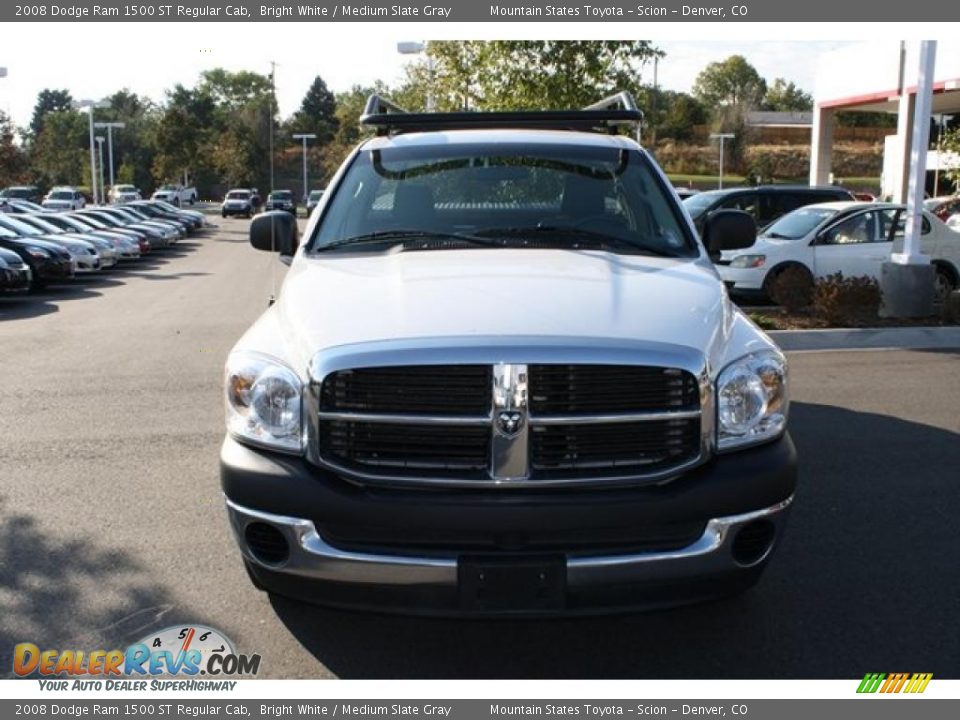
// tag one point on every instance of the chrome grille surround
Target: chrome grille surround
(508, 359)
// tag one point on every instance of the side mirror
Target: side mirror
(728, 230)
(275, 231)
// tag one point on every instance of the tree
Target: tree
(59, 154)
(733, 83)
(678, 114)
(182, 134)
(12, 158)
(785, 96)
(49, 101)
(950, 144)
(317, 113)
(516, 74)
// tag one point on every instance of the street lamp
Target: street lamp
(417, 48)
(304, 137)
(109, 126)
(90, 105)
(100, 139)
(722, 137)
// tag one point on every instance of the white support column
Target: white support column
(919, 142)
(821, 148)
(905, 116)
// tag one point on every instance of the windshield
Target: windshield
(511, 194)
(42, 224)
(167, 188)
(798, 223)
(61, 195)
(17, 192)
(281, 195)
(316, 194)
(125, 188)
(18, 226)
(105, 220)
(697, 204)
(238, 195)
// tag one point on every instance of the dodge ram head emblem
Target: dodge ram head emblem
(509, 422)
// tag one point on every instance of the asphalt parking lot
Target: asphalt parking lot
(112, 525)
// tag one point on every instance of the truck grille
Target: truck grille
(565, 423)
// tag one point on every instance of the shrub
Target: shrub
(792, 288)
(846, 301)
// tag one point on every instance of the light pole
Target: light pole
(304, 137)
(722, 137)
(109, 126)
(90, 105)
(100, 139)
(417, 48)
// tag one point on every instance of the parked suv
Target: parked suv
(765, 203)
(502, 376)
(64, 198)
(238, 202)
(281, 200)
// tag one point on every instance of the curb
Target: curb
(907, 338)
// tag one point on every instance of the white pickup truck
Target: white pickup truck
(176, 194)
(503, 377)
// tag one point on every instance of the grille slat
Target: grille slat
(453, 439)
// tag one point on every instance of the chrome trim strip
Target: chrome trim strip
(402, 419)
(313, 557)
(650, 416)
(509, 431)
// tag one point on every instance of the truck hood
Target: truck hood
(337, 300)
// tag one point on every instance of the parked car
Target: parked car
(22, 206)
(64, 198)
(14, 272)
(765, 203)
(30, 193)
(106, 249)
(281, 200)
(954, 222)
(193, 221)
(113, 226)
(943, 207)
(199, 218)
(135, 215)
(48, 262)
(502, 376)
(124, 193)
(851, 238)
(176, 195)
(127, 248)
(84, 254)
(684, 192)
(158, 237)
(313, 199)
(238, 202)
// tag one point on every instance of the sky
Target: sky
(150, 58)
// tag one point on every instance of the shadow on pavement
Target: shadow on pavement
(866, 577)
(68, 591)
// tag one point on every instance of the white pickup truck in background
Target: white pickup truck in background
(176, 194)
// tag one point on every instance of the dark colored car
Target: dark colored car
(48, 262)
(21, 192)
(313, 200)
(282, 200)
(765, 203)
(14, 272)
(156, 211)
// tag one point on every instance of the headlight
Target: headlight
(264, 402)
(748, 261)
(38, 253)
(752, 400)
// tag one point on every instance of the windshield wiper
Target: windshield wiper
(396, 237)
(583, 239)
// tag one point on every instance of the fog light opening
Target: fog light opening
(266, 543)
(753, 542)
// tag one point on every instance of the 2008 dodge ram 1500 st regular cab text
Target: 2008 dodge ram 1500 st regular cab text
(503, 377)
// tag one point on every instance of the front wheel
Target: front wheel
(790, 286)
(943, 285)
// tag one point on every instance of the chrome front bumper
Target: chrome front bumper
(311, 557)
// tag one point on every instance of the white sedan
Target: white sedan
(851, 238)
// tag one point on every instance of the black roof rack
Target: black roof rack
(603, 116)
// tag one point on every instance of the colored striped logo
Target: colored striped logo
(894, 682)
